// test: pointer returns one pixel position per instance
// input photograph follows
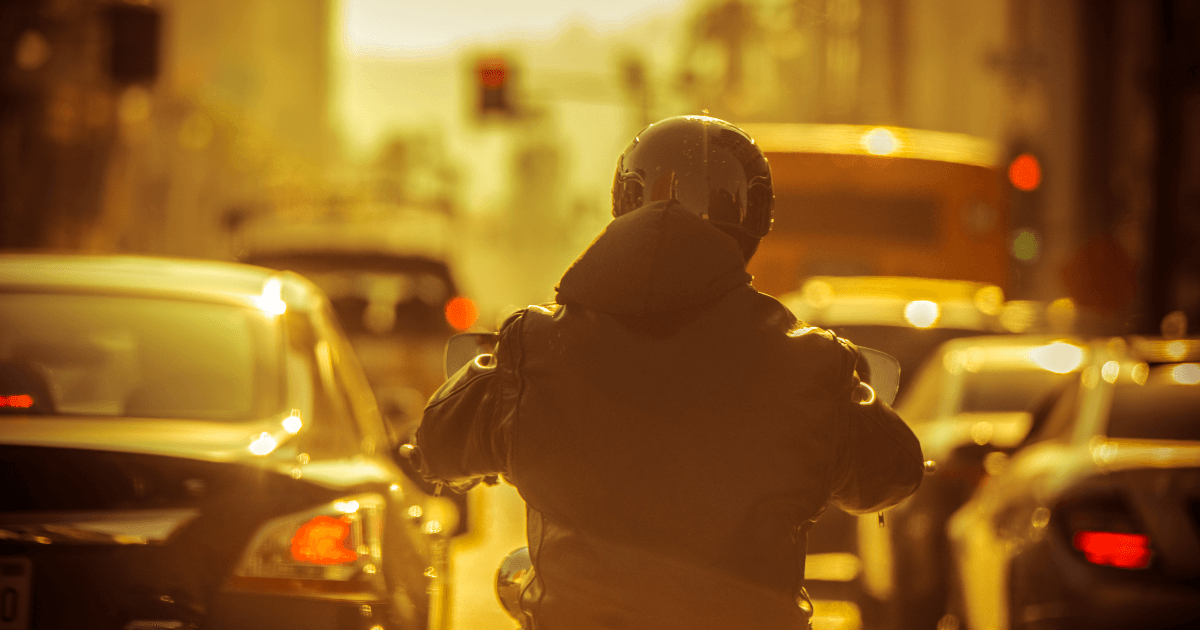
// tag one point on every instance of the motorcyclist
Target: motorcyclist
(672, 431)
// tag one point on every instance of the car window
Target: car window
(1150, 412)
(353, 385)
(1008, 390)
(332, 427)
(925, 394)
(98, 355)
(1059, 421)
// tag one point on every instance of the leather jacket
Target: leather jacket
(672, 431)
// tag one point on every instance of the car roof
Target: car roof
(348, 260)
(1160, 350)
(1054, 353)
(882, 300)
(1003, 341)
(207, 280)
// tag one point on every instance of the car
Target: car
(1094, 520)
(189, 444)
(907, 318)
(970, 397)
(398, 309)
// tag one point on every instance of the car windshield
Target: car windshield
(911, 346)
(1155, 412)
(124, 356)
(1007, 390)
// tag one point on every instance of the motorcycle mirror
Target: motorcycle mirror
(462, 348)
(883, 373)
(515, 572)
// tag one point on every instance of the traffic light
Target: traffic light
(1025, 172)
(1024, 179)
(495, 80)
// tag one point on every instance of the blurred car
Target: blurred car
(398, 310)
(907, 318)
(971, 397)
(1095, 521)
(189, 444)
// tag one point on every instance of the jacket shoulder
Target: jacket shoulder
(807, 344)
(799, 333)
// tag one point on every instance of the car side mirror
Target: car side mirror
(882, 373)
(462, 348)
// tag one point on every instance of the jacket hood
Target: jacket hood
(658, 258)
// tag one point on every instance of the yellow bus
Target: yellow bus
(854, 200)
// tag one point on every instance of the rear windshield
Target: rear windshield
(136, 357)
(376, 295)
(1155, 412)
(1008, 390)
(913, 219)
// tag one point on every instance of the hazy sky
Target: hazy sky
(380, 26)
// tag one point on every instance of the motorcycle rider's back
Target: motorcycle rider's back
(671, 430)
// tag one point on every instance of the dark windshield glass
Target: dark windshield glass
(1155, 412)
(1009, 390)
(137, 357)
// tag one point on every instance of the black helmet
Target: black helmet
(709, 166)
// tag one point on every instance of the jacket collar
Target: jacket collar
(658, 258)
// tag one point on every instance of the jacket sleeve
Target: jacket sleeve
(881, 462)
(465, 430)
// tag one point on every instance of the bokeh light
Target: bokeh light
(1186, 374)
(461, 312)
(880, 141)
(1025, 245)
(922, 313)
(1058, 357)
(1025, 172)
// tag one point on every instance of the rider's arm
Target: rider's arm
(464, 431)
(880, 460)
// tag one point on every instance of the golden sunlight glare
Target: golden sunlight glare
(263, 444)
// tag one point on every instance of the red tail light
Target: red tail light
(20, 401)
(1127, 551)
(321, 541)
(461, 312)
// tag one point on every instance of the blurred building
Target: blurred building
(164, 125)
(158, 126)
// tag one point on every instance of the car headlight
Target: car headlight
(333, 550)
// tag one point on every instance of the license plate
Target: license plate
(14, 593)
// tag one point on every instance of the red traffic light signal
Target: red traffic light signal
(1025, 172)
(494, 77)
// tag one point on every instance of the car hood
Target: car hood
(192, 439)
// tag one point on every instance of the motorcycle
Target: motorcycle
(879, 372)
